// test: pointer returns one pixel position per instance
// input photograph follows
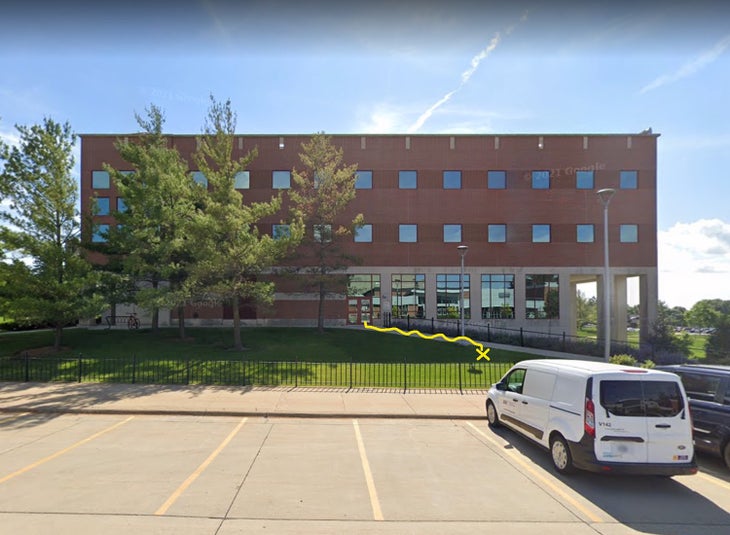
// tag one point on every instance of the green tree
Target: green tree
(230, 252)
(320, 195)
(50, 281)
(586, 310)
(707, 312)
(718, 343)
(150, 239)
(665, 344)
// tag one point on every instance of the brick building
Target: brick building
(525, 205)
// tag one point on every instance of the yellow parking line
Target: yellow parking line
(65, 450)
(374, 502)
(716, 481)
(557, 490)
(189, 481)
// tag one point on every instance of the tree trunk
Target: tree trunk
(237, 345)
(155, 310)
(320, 312)
(181, 321)
(57, 338)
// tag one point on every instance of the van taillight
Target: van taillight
(589, 422)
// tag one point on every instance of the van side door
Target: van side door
(536, 395)
(510, 402)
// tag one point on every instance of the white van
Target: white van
(597, 416)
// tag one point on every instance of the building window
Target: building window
(448, 296)
(364, 234)
(322, 233)
(540, 233)
(541, 180)
(280, 231)
(498, 296)
(363, 180)
(121, 205)
(281, 179)
(629, 233)
(452, 179)
(408, 233)
(496, 233)
(584, 233)
(496, 179)
(101, 234)
(452, 233)
(200, 178)
(242, 180)
(102, 206)
(407, 179)
(100, 180)
(363, 297)
(542, 297)
(409, 295)
(584, 180)
(629, 179)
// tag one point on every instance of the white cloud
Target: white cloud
(694, 262)
(688, 69)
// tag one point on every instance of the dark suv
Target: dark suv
(708, 389)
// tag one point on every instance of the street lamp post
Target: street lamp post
(462, 253)
(605, 196)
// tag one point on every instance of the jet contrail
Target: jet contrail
(465, 76)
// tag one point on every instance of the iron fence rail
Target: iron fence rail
(393, 375)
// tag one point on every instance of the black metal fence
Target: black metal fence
(520, 337)
(403, 376)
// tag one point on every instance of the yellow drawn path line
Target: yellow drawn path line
(481, 352)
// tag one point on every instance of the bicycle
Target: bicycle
(133, 322)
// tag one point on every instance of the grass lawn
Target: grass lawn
(273, 356)
(268, 344)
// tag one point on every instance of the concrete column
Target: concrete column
(600, 305)
(572, 309)
(618, 308)
(648, 297)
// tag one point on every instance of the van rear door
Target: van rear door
(669, 426)
(642, 420)
(621, 432)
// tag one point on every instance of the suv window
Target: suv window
(698, 386)
(641, 398)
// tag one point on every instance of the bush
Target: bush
(629, 360)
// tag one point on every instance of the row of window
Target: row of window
(541, 298)
(628, 179)
(628, 233)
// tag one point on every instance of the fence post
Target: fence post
(563, 341)
(296, 369)
(79, 367)
(187, 370)
(489, 333)
(405, 373)
(522, 338)
(461, 391)
(351, 357)
(134, 368)
(27, 367)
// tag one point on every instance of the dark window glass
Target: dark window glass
(363, 180)
(629, 179)
(496, 179)
(584, 179)
(452, 179)
(641, 398)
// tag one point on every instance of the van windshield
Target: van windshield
(641, 398)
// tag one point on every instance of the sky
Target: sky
(426, 67)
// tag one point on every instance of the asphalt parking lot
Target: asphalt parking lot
(117, 473)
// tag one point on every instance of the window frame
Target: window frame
(406, 227)
(587, 175)
(535, 230)
(405, 177)
(358, 236)
(628, 179)
(590, 226)
(496, 177)
(102, 175)
(495, 226)
(624, 229)
(537, 176)
(278, 176)
(364, 179)
(450, 228)
(449, 176)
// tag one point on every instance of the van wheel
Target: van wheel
(726, 454)
(562, 460)
(492, 416)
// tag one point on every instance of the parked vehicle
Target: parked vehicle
(597, 416)
(708, 390)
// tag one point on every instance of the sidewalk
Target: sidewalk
(107, 398)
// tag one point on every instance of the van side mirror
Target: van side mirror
(501, 387)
